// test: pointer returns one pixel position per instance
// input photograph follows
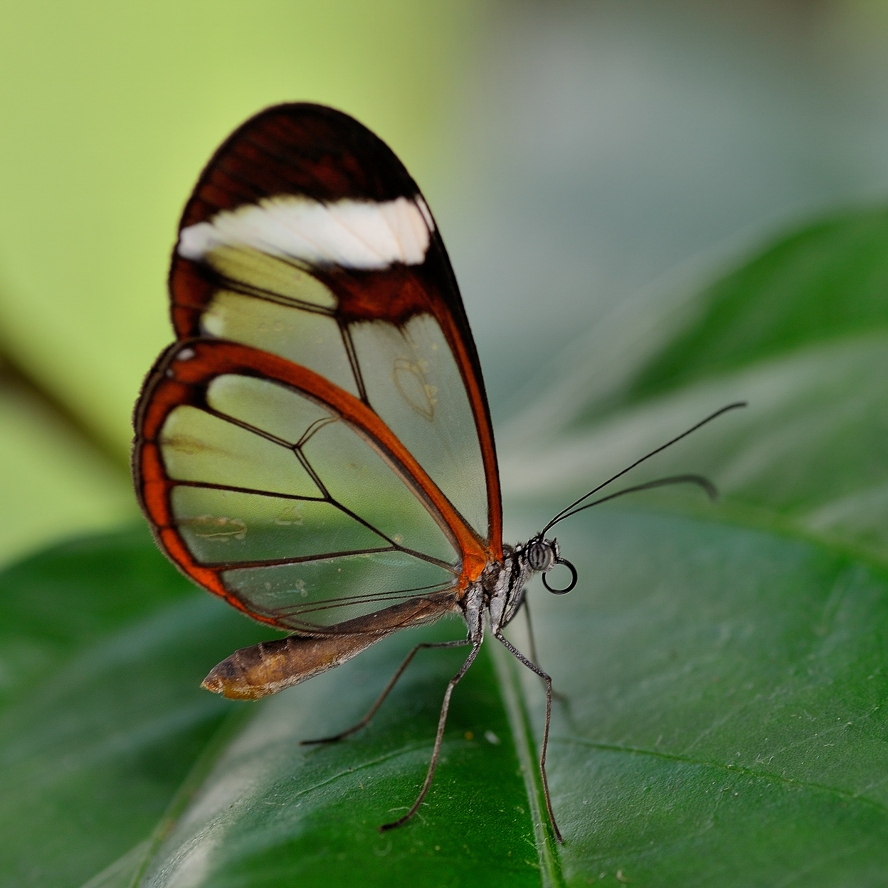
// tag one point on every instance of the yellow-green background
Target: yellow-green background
(573, 152)
(109, 111)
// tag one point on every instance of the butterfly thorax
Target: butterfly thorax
(500, 590)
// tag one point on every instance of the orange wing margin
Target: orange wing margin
(179, 377)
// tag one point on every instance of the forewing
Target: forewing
(306, 238)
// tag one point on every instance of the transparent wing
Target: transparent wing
(287, 495)
(306, 238)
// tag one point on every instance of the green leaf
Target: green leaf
(723, 667)
(824, 284)
(99, 722)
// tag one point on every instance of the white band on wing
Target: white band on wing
(352, 233)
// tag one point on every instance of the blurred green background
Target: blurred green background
(574, 154)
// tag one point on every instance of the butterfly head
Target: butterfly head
(542, 555)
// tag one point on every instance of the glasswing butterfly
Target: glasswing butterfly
(316, 447)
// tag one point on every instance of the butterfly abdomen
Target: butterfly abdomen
(272, 666)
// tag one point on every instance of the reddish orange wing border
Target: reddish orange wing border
(176, 381)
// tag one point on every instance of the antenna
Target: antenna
(678, 479)
(699, 480)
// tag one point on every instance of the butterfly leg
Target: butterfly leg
(462, 642)
(525, 606)
(442, 721)
(545, 745)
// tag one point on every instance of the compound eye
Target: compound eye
(540, 556)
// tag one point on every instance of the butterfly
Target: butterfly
(316, 445)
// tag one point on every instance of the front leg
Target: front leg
(545, 745)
